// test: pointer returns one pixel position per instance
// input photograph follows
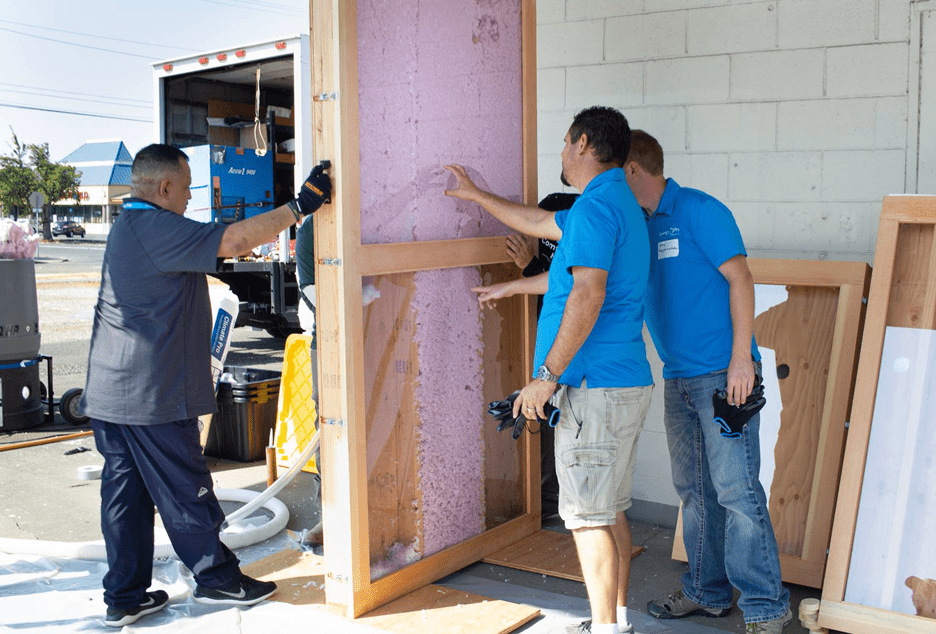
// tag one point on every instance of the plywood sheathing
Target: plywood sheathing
(300, 579)
(815, 332)
(800, 332)
(547, 553)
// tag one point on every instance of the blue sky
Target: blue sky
(50, 60)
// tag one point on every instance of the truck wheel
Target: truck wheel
(68, 406)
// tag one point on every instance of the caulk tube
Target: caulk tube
(225, 306)
(225, 311)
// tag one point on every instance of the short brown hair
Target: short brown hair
(646, 152)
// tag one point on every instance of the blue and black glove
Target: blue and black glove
(733, 418)
(502, 411)
(315, 191)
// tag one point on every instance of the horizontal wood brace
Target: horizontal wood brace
(405, 257)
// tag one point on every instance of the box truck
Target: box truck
(243, 116)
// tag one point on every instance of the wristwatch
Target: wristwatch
(543, 374)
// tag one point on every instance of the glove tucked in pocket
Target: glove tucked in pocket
(733, 418)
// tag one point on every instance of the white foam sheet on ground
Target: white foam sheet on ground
(64, 596)
(559, 610)
(59, 596)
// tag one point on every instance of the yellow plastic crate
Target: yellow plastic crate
(295, 413)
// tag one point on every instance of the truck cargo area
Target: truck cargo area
(240, 103)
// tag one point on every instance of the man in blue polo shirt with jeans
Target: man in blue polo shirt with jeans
(700, 314)
(589, 345)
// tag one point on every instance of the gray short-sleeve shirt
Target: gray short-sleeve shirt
(150, 344)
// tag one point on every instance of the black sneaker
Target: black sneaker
(155, 601)
(247, 591)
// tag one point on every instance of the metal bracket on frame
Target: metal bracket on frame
(325, 96)
(330, 261)
(334, 421)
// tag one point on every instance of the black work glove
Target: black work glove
(315, 191)
(733, 418)
(502, 411)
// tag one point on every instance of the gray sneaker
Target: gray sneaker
(769, 627)
(678, 606)
(585, 628)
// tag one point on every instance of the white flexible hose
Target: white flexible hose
(97, 552)
(280, 483)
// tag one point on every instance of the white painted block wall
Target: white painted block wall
(794, 113)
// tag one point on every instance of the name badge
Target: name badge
(667, 248)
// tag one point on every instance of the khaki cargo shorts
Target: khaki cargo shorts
(596, 446)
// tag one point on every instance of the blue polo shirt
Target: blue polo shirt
(688, 311)
(604, 229)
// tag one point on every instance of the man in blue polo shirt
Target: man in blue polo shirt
(589, 342)
(700, 314)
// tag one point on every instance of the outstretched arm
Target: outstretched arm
(239, 238)
(536, 285)
(527, 219)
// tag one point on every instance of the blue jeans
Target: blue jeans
(727, 531)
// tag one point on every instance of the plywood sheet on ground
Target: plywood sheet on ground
(300, 580)
(433, 609)
(547, 553)
(299, 577)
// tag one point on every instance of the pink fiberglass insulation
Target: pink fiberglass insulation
(451, 449)
(439, 82)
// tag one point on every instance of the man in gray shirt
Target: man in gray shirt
(149, 379)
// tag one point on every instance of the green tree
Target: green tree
(17, 179)
(56, 182)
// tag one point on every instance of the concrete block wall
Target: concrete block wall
(792, 112)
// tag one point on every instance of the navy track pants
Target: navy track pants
(162, 465)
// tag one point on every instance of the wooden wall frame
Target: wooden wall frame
(903, 293)
(342, 263)
(809, 478)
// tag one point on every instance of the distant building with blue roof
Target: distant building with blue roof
(105, 179)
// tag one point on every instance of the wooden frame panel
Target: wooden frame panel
(342, 263)
(810, 534)
(897, 269)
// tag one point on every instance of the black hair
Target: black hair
(558, 201)
(158, 158)
(607, 131)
